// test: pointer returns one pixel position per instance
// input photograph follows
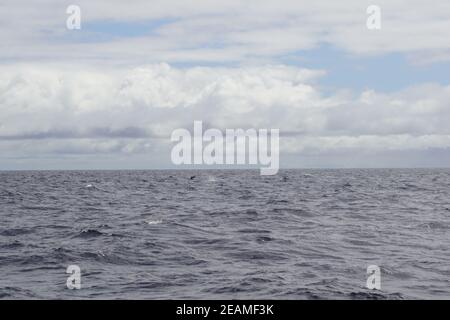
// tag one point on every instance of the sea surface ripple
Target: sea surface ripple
(228, 234)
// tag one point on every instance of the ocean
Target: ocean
(225, 234)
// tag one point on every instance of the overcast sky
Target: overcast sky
(108, 96)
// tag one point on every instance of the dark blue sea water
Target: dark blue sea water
(301, 234)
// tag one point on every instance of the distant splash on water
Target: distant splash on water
(153, 222)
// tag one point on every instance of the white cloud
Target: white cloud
(52, 110)
(223, 31)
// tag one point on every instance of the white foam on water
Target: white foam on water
(151, 222)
